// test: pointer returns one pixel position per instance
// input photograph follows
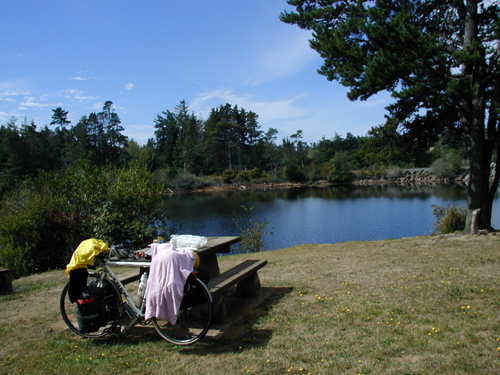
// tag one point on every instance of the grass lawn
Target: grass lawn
(423, 305)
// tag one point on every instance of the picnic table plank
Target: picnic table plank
(235, 275)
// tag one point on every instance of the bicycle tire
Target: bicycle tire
(113, 306)
(194, 318)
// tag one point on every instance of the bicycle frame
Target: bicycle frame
(138, 312)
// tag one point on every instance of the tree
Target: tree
(113, 142)
(339, 168)
(439, 59)
(230, 136)
(179, 139)
(97, 138)
(271, 150)
(141, 155)
(61, 136)
(300, 147)
(384, 146)
(166, 138)
(190, 143)
(79, 144)
(60, 118)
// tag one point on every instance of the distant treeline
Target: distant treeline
(229, 143)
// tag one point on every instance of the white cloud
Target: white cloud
(288, 53)
(268, 111)
(97, 106)
(78, 95)
(129, 86)
(82, 76)
(8, 96)
(4, 116)
(12, 88)
(30, 102)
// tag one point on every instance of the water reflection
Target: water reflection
(317, 214)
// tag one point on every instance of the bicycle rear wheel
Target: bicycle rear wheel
(110, 311)
(195, 315)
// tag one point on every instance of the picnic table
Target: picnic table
(243, 277)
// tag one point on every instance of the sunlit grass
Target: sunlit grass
(411, 306)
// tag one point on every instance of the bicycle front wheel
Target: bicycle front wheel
(195, 315)
(109, 312)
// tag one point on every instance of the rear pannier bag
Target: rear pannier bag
(92, 311)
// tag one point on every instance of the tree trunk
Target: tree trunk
(472, 117)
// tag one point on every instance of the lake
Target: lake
(318, 214)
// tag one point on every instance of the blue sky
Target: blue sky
(148, 55)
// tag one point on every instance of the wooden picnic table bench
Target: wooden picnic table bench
(243, 276)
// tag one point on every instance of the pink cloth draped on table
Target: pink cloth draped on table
(167, 276)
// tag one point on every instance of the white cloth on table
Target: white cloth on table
(170, 268)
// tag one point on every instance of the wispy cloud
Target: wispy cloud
(11, 89)
(82, 76)
(268, 111)
(78, 95)
(32, 102)
(7, 116)
(97, 106)
(9, 95)
(288, 53)
(129, 86)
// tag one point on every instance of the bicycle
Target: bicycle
(193, 321)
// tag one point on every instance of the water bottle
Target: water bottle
(142, 285)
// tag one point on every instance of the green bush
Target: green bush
(252, 232)
(228, 175)
(43, 221)
(340, 168)
(255, 173)
(292, 173)
(243, 176)
(449, 219)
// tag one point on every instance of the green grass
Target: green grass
(424, 305)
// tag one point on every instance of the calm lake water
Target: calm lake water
(316, 214)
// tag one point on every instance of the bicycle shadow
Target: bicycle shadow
(236, 333)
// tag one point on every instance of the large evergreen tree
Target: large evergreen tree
(438, 58)
(178, 138)
(231, 136)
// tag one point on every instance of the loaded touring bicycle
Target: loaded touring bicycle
(95, 303)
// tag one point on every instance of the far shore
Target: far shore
(323, 184)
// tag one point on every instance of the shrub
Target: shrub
(447, 166)
(340, 168)
(255, 173)
(449, 219)
(43, 221)
(228, 175)
(252, 232)
(243, 176)
(292, 173)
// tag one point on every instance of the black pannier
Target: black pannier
(193, 294)
(92, 311)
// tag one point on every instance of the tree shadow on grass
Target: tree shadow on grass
(238, 333)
